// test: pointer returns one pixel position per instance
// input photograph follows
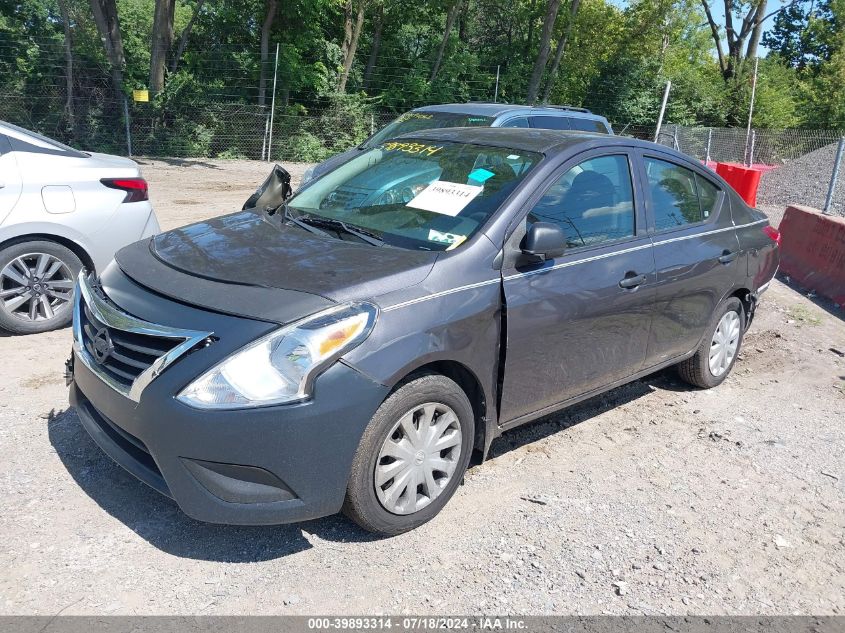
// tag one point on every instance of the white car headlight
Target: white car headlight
(282, 366)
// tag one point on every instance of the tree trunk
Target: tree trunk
(161, 42)
(543, 54)
(529, 39)
(266, 28)
(68, 66)
(756, 31)
(183, 39)
(463, 23)
(450, 22)
(108, 25)
(561, 48)
(353, 46)
(371, 62)
(347, 30)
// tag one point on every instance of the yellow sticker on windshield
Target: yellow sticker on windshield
(412, 148)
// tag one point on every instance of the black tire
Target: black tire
(11, 320)
(362, 504)
(696, 370)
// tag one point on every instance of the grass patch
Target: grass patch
(803, 315)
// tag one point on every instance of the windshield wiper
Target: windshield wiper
(340, 225)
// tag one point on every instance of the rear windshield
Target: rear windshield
(26, 141)
(417, 121)
(417, 194)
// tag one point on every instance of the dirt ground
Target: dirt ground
(654, 498)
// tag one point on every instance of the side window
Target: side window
(550, 122)
(708, 195)
(4, 145)
(517, 122)
(593, 202)
(588, 125)
(674, 194)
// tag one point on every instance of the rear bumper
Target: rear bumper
(249, 467)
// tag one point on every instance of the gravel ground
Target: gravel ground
(804, 181)
(654, 498)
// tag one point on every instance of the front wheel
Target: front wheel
(412, 456)
(36, 286)
(717, 353)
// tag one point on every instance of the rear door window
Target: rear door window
(674, 195)
(587, 125)
(708, 196)
(550, 122)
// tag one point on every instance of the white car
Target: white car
(60, 210)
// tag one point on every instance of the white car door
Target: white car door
(10, 179)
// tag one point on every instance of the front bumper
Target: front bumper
(263, 465)
(248, 467)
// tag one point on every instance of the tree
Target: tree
(162, 40)
(68, 63)
(543, 55)
(108, 26)
(742, 43)
(271, 7)
(802, 35)
(352, 34)
(183, 38)
(451, 16)
(374, 49)
(574, 5)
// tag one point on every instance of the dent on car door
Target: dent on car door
(580, 321)
(10, 179)
(695, 249)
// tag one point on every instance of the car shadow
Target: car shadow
(546, 426)
(160, 522)
(177, 162)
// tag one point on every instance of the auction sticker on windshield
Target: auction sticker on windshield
(448, 198)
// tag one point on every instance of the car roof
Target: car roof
(549, 142)
(481, 108)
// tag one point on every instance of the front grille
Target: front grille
(125, 352)
(128, 355)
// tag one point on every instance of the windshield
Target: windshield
(418, 121)
(416, 194)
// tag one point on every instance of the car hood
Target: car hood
(250, 249)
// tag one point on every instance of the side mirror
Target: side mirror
(544, 240)
(272, 193)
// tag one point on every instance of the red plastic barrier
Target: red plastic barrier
(813, 251)
(744, 180)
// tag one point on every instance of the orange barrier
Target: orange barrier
(744, 180)
(813, 250)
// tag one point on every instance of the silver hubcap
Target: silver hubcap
(35, 287)
(418, 458)
(724, 344)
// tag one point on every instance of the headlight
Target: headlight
(307, 176)
(281, 367)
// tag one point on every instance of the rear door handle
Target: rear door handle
(727, 257)
(631, 280)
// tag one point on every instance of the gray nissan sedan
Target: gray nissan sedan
(342, 350)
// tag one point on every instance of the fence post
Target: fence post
(372, 123)
(753, 143)
(709, 143)
(496, 91)
(662, 111)
(126, 122)
(833, 177)
(751, 110)
(266, 130)
(273, 104)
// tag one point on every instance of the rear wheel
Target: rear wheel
(412, 456)
(36, 286)
(717, 353)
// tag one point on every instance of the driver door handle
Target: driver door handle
(631, 280)
(727, 257)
